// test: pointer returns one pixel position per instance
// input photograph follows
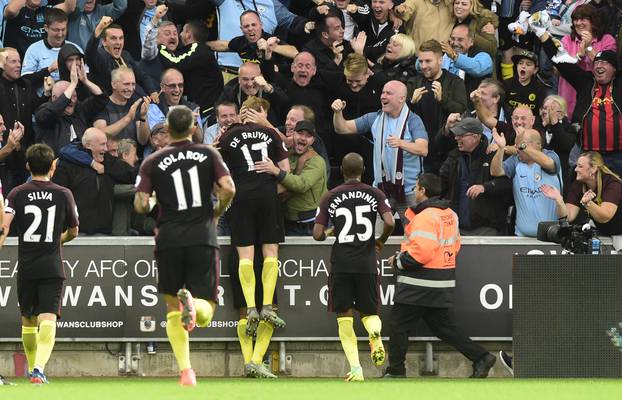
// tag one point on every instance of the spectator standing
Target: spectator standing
(529, 169)
(479, 199)
(94, 192)
(86, 17)
(417, 15)
(483, 24)
(226, 115)
(434, 95)
(25, 20)
(64, 118)
(305, 184)
(328, 47)
(398, 62)
(400, 143)
(524, 88)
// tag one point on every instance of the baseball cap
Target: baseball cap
(530, 55)
(466, 126)
(305, 126)
(608, 55)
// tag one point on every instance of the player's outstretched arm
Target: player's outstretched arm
(70, 234)
(224, 190)
(141, 202)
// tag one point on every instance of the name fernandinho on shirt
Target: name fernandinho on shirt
(357, 194)
(264, 137)
(32, 196)
(187, 155)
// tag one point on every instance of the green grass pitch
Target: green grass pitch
(313, 389)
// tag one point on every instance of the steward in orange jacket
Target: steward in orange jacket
(427, 262)
(426, 280)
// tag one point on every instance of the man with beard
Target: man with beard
(94, 192)
(434, 95)
(64, 118)
(122, 117)
(524, 88)
(464, 59)
(305, 184)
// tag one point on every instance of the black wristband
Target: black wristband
(281, 175)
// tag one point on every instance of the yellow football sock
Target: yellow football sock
(205, 312)
(29, 341)
(178, 337)
(348, 340)
(372, 324)
(269, 274)
(264, 334)
(247, 281)
(507, 70)
(246, 342)
(45, 342)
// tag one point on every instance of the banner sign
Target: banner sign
(111, 294)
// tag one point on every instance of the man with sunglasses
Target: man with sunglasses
(172, 94)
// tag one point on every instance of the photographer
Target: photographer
(597, 191)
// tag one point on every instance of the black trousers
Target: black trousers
(404, 318)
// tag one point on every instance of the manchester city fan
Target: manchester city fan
(86, 17)
(353, 280)
(524, 87)
(46, 216)
(186, 243)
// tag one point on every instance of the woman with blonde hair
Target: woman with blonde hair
(597, 193)
(559, 134)
(481, 21)
(398, 61)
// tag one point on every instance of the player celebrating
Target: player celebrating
(42, 210)
(182, 176)
(255, 219)
(353, 280)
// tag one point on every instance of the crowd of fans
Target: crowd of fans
(438, 86)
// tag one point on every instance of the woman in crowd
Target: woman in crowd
(559, 134)
(481, 21)
(597, 192)
(398, 61)
(587, 38)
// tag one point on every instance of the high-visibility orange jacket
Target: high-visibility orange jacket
(427, 262)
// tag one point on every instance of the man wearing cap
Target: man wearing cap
(479, 199)
(305, 184)
(524, 88)
(599, 98)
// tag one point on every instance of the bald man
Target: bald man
(64, 118)
(172, 94)
(250, 82)
(529, 169)
(353, 277)
(400, 143)
(93, 191)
